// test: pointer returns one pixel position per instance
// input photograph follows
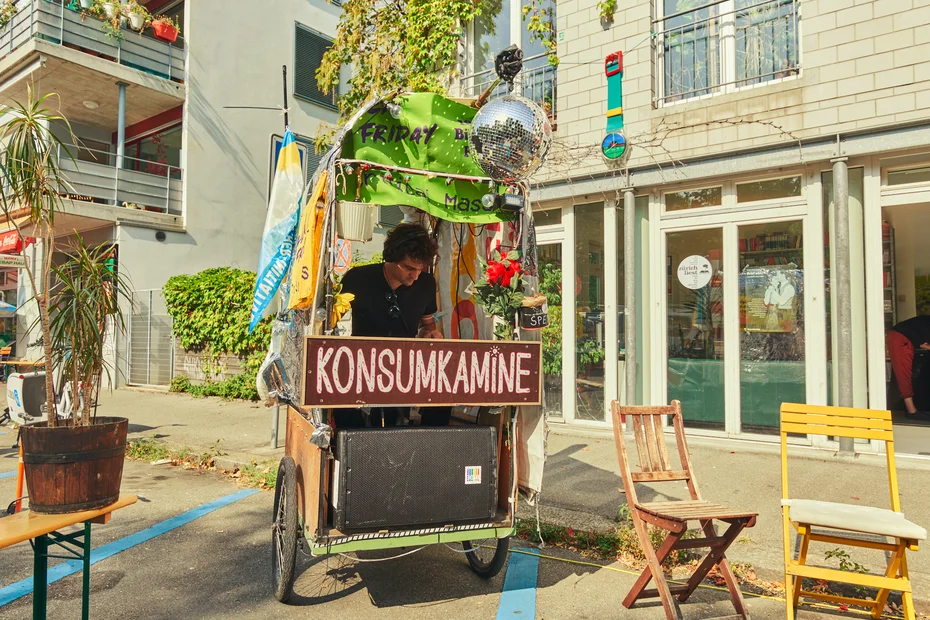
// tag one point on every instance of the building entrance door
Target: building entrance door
(734, 331)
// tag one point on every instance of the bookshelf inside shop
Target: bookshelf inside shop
(889, 283)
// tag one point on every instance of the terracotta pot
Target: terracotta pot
(70, 469)
(165, 32)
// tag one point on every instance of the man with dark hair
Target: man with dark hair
(903, 341)
(396, 299)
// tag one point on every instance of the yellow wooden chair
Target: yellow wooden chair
(846, 522)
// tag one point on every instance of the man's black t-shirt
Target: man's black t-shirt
(371, 308)
(917, 329)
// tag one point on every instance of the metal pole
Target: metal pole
(275, 422)
(120, 129)
(629, 292)
(841, 280)
(284, 73)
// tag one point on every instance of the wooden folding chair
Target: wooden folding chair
(673, 516)
(854, 519)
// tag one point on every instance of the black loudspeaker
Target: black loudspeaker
(402, 477)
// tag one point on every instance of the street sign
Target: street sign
(343, 256)
(355, 372)
(15, 261)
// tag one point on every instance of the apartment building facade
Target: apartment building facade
(737, 113)
(176, 142)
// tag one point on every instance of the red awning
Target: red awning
(12, 243)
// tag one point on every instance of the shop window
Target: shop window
(788, 187)
(911, 175)
(550, 217)
(309, 47)
(590, 351)
(694, 199)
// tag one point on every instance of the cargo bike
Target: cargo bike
(353, 490)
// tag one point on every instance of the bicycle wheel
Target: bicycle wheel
(284, 529)
(484, 561)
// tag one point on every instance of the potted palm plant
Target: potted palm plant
(165, 28)
(73, 461)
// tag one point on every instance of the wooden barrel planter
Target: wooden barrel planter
(70, 469)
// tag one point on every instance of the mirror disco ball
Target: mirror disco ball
(510, 138)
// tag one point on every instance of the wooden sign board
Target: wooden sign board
(346, 372)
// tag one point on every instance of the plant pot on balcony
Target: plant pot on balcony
(87, 4)
(110, 9)
(165, 32)
(136, 21)
(74, 468)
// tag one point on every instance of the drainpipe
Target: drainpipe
(121, 127)
(629, 292)
(841, 280)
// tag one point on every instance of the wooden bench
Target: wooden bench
(844, 524)
(674, 516)
(43, 530)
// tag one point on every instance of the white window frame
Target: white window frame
(726, 13)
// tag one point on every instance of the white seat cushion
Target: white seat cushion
(864, 519)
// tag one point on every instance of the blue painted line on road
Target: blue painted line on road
(21, 588)
(518, 598)
(7, 474)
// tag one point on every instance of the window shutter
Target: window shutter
(390, 216)
(309, 47)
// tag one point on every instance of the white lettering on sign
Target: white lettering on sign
(386, 370)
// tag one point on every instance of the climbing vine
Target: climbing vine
(398, 44)
(211, 310)
(539, 16)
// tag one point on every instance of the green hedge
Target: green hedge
(211, 312)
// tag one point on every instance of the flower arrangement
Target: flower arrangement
(500, 291)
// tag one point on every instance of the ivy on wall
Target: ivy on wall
(210, 312)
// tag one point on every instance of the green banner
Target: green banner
(431, 135)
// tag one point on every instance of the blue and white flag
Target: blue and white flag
(280, 228)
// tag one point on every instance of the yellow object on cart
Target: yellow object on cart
(306, 260)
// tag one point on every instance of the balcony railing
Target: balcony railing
(152, 186)
(50, 21)
(537, 82)
(724, 45)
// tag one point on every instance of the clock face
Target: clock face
(614, 145)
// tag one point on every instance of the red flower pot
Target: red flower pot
(165, 32)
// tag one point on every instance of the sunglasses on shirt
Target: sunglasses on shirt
(393, 309)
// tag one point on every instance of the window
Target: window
(694, 199)
(911, 175)
(549, 217)
(309, 47)
(390, 216)
(768, 190)
(492, 32)
(709, 46)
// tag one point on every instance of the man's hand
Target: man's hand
(925, 346)
(434, 333)
(428, 328)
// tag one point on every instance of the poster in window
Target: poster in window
(770, 298)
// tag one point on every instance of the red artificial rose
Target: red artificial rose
(496, 272)
(505, 281)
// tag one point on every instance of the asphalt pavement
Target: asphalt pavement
(219, 566)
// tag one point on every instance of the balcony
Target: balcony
(96, 177)
(49, 21)
(724, 45)
(536, 82)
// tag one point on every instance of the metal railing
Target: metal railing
(143, 184)
(50, 21)
(537, 82)
(724, 45)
